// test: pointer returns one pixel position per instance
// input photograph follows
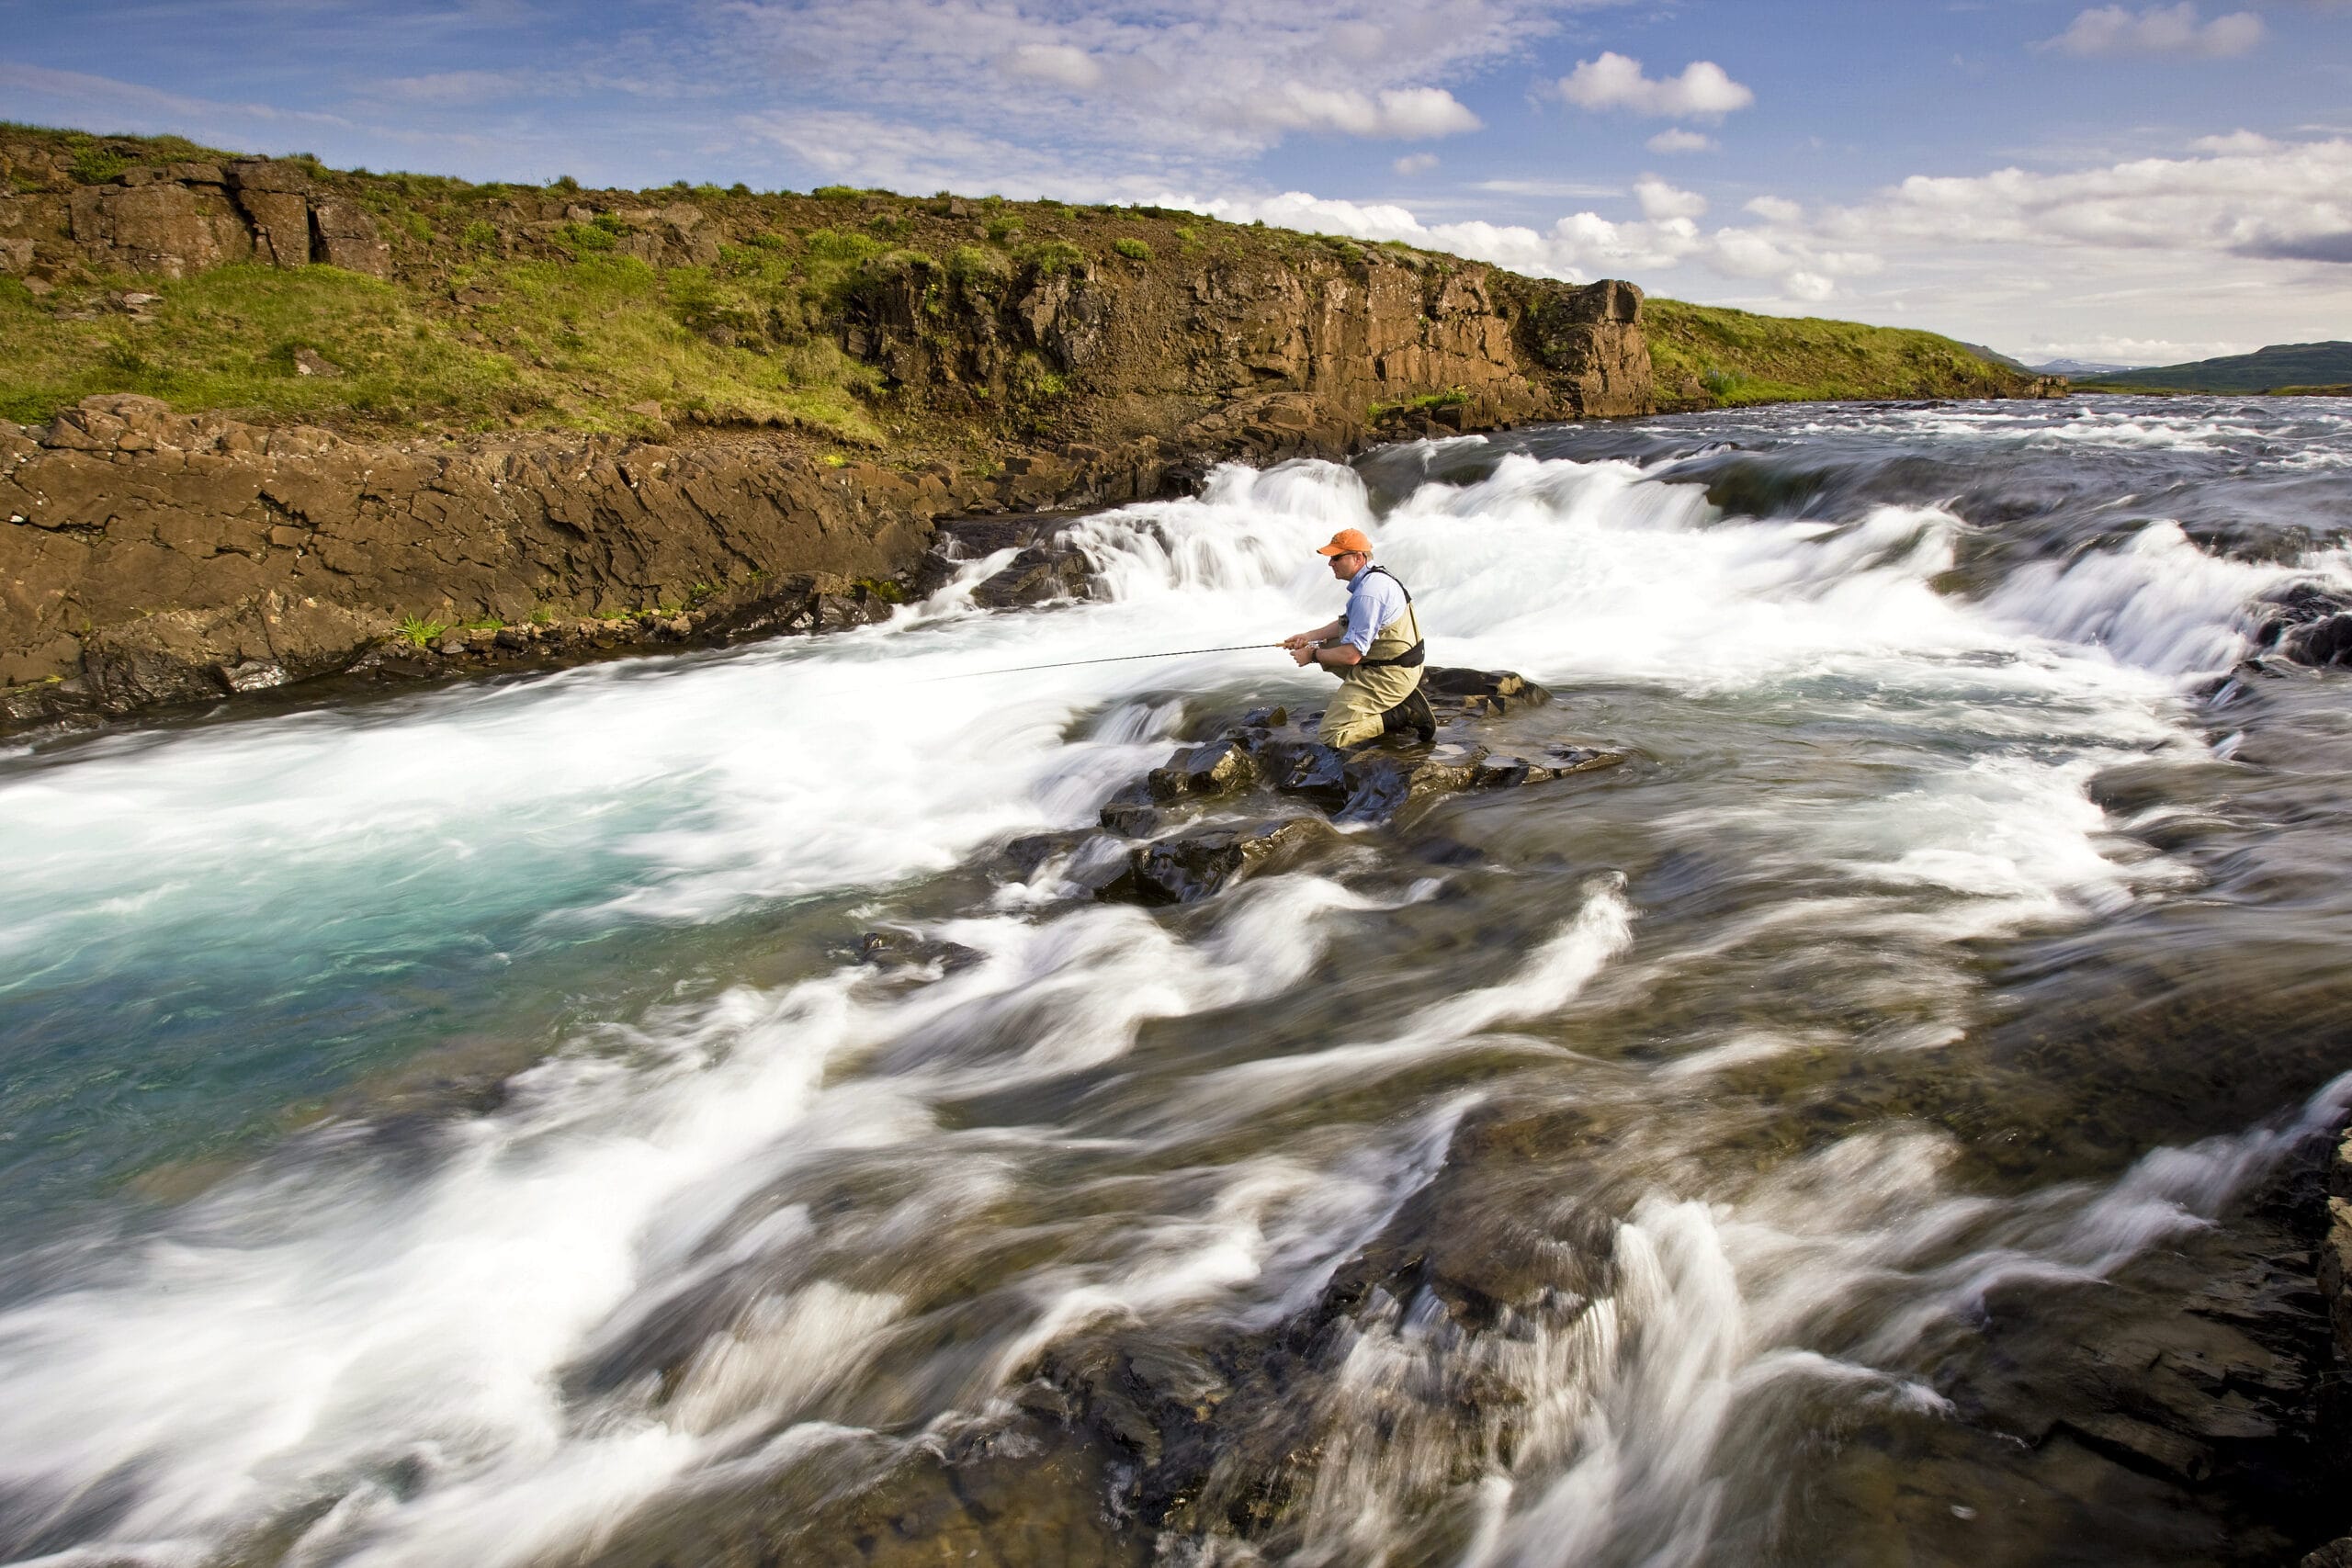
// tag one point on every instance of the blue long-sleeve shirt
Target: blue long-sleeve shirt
(1374, 599)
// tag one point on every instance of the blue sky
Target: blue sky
(2134, 182)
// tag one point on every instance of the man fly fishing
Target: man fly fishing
(1375, 648)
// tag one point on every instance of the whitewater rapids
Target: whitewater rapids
(450, 1129)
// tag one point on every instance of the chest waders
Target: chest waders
(1381, 692)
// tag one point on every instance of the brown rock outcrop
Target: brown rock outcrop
(148, 556)
(163, 228)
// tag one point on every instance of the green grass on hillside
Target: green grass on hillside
(1739, 358)
(2287, 369)
(559, 345)
(522, 305)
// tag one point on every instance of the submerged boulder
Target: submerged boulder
(1266, 754)
(1486, 694)
(1037, 574)
(1219, 767)
(1191, 866)
(1378, 782)
(2308, 624)
(1307, 768)
(885, 949)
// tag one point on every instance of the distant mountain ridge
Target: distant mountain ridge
(2268, 369)
(2081, 367)
(1997, 357)
(2054, 367)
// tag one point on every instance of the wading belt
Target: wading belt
(1411, 657)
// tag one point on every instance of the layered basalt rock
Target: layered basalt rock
(149, 556)
(171, 220)
(1259, 796)
(2335, 1284)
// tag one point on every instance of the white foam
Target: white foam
(330, 1327)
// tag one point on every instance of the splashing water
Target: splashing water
(448, 1129)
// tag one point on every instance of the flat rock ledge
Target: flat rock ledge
(2335, 1284)
(1263, 795)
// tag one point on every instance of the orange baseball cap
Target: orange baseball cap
(1345, 540)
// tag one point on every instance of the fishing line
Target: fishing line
(1114, 658)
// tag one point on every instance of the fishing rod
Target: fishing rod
(1114, 658)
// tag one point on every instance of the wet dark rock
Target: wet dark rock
(1129, 820)
(2335, 1253)
(1028, 853)
(2321, 642)
(2307, 624)
(1379, 782)
(1566, 759)
(2150, 1450)
(1096, 862)
(886, 949)
(969, 538)
(2335, 1555)
(1037, 574)
(1484, 692)
(1191, 866)
(1307, 768)
(1217, 767)
(1500, 772)
(1023, 1492)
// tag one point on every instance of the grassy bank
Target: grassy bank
(540, 343)
(552, 307)
(539, 306)
(1711, 354)
(2283, 369)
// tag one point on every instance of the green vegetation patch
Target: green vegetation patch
(1452, 397)
(1735, 357)
(2287, 369)
(564, 345)
(1051, 256)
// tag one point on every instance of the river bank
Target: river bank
(275, 419)
(704, 1107)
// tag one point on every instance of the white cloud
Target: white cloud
(2160, 29)
(1704, 91)
(2236, 141)
(1681, 141)
(1414, 163)
(1407, 112)
(2127, 351)
(2143, 260)
(2292, 201)
(151, 108)
(1118, 95)
(1578, 247)
(1055, 65)
(450, 88)
(1660, 200)
(1563, 190)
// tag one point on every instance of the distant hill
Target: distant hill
(1997, 357)
(2265, 371)
(1710, 355)
(2080, 367)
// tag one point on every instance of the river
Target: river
(455, 1126)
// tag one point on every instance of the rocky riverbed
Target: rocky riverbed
(817, 1100)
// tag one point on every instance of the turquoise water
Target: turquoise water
(451, 1128)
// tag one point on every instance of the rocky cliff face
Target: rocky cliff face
(156, 553)
(150, 555)
(171, 220)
